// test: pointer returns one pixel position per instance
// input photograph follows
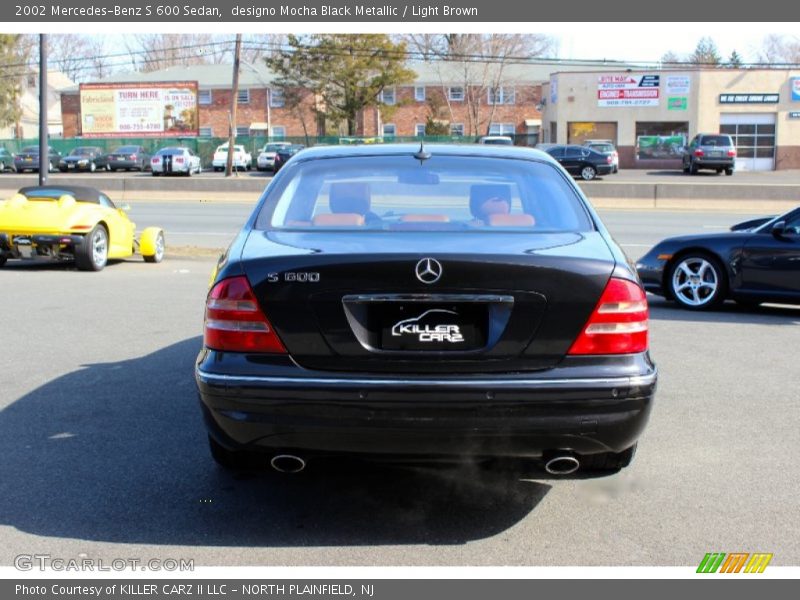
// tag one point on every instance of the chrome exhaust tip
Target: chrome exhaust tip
(287, 463)
(563, 464)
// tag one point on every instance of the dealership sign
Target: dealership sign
(677, 103)
(794, 84)
(167, 109)
(678, 84)
(628, 90)
(749, 98)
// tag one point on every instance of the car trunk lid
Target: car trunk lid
(366, 302)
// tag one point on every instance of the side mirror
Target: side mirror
(778, 229)
(126, 207)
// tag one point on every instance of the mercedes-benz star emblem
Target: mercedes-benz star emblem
(429, 270)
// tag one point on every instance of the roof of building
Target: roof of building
(428, 73)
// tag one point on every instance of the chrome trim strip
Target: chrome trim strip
(465, 298)
(482, 384)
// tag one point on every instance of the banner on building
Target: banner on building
(794, 84)
(628, 90)
(164, 109)
(678, 85)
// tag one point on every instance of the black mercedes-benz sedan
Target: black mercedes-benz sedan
(757, 261)
(445, 302)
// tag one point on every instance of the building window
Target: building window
(419, 93)
(419, 129)
(502, 129)
(242, 131)
(389, 129)
(276, 98)
(206, 132)
(659, 140)
(278, 132)
(204, 96)
(457, 129)
(456, 94)
(243, 97)
(388, 95)
(501, 95)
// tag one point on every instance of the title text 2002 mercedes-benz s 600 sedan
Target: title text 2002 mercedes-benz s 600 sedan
(452, 302)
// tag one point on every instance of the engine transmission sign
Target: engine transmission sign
(628, 90)
(167, 109)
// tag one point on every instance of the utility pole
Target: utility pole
(234, 101)
(44, 151)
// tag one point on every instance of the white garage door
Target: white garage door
(754, 137)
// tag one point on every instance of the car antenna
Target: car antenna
(422, 154)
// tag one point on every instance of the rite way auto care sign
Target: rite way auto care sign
(628, 90)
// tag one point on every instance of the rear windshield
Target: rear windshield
(274, 147)
(602, 147)
(170, 151)
(716, 140)
(81, 151)
(127, 149)
(444, 193)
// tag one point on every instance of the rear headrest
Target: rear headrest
(480, 193)
(349, 198)
(498, 220)
(339, 220)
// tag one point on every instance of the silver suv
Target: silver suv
(713, 151)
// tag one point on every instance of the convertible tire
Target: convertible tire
(3, 260)
(729, 171)
(93, 253)
(234, 460)
(92, 167)
(159, 248)
(588, 172)
(692, 168)
(606, 463)
(697, 281)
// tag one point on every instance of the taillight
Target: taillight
(618, 324)
(732, 152)
(132, 157)
(699, 152)
(610, 160)
(235, 323)
(179, 159)
(155, 161)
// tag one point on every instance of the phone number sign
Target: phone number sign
(628, 90)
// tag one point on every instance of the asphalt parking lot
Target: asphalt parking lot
(104, 450)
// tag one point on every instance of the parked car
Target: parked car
(58, 222)
(83, 158)
(499, 140)
(582, 161)
(605, 147)
(175, 161)
(754, 262)
(129, 158)
(359, 313)
(27, 159)
(266, 158)
(713, 151)
(284, 154)
(242, 159)
(6, 160)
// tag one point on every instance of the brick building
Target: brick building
(463, 107)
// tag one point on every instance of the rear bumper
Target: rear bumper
(714, 163)
(499, 415)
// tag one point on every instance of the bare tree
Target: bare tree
(778, 49)
(156, 51)
(478, 64)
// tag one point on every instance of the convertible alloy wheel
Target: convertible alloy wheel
(697, 282)
(588, 172)
(160, 247)
(93, 254)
